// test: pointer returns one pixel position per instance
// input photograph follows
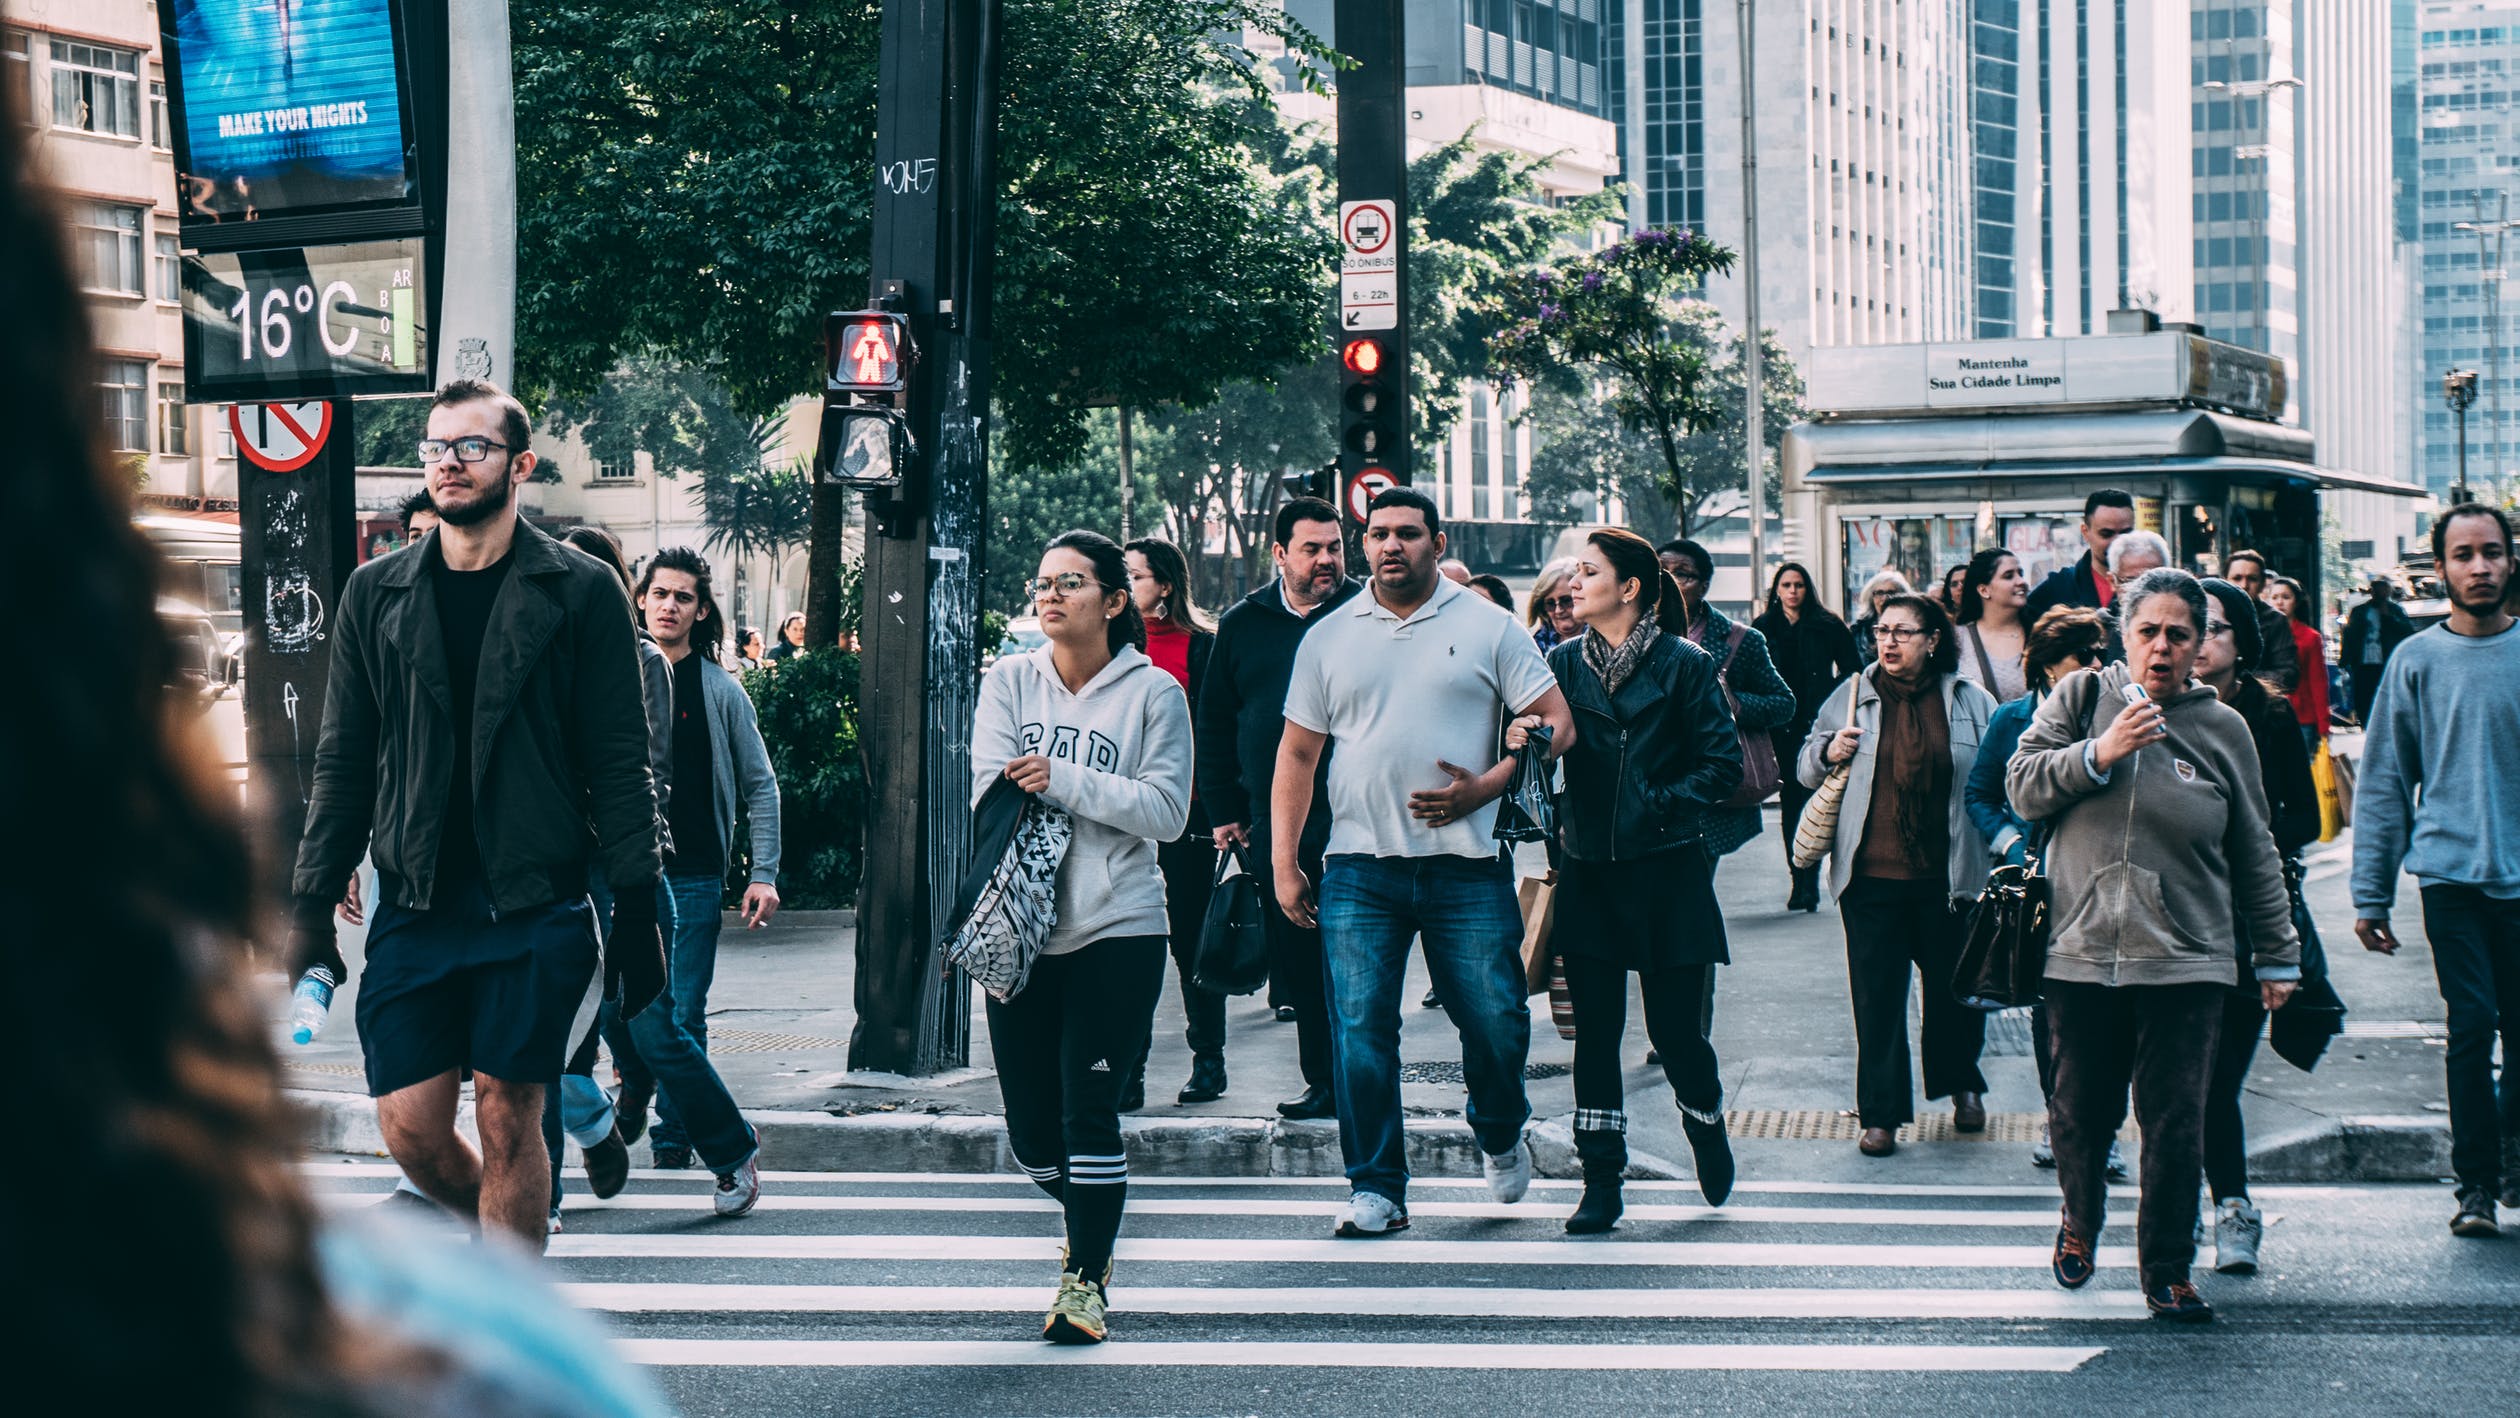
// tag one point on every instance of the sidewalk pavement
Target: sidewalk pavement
(779, 1019)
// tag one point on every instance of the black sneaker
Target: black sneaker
(670, 1159)
(2476, 1215)
(2072, 1262)
(2178, 1303)
(1286, 1014)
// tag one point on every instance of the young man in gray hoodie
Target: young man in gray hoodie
(2447, 721)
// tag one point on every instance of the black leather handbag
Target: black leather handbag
(1233, 956)
(2005, 955)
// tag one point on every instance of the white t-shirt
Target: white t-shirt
(1395, 695)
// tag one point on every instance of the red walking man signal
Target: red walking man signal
(865, 352)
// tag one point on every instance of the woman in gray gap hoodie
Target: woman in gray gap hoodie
(2152, 788)
(1092, 726)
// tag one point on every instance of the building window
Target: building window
(616, 472)
(170, 269)
(95, 90)
(174, 421)
(126, 388)
(108, 241)
(161, 127)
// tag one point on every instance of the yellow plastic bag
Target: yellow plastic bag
(2331, 801)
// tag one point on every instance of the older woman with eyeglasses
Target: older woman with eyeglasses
(1884, 584)
(1905, 858)
(1551, 610)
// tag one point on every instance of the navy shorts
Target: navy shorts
(453, 987)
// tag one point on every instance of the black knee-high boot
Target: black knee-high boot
(1604, 1155)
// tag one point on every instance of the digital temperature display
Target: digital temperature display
(311, 323)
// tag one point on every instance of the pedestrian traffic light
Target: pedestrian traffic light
(865, 440)
(1321, 482)
(867, 352)
(1369, 426)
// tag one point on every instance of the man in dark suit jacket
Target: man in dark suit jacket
(2107, 514)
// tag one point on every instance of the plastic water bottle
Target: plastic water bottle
(310, 1005)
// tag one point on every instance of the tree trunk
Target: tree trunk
(825, 542)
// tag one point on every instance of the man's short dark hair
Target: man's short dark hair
(707, 631)
(2244, 554)
(1301, 509)
(516, 430)
(2441, 526)
(1410, 497)
(2107, 497)
(413, 506)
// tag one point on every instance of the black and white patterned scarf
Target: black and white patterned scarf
(1615, 665)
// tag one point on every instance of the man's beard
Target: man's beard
(491, 503)
(2484, 605)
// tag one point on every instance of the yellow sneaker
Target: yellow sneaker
(1080, 1313)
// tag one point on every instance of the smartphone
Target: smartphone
(2135, 693)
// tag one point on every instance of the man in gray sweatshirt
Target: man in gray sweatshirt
(2447, 722)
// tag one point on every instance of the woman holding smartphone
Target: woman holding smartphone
(1091, 726)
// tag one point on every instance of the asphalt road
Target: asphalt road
(1816, 1289)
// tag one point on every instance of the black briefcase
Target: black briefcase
(1233, 956)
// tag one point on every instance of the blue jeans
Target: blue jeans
(1464, 908)
(688, 909)
(659, 1044)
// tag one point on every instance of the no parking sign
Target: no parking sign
(281, 437)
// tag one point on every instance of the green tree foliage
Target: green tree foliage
(1616, 316)
(1477, 230)
(698, 178)
(808, 707)
(673, 412)
(1029, 506)
(1582, 452)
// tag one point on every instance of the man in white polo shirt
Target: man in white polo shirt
(1411, 681)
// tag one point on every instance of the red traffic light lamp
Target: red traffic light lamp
(1363, 358)
(866, 352)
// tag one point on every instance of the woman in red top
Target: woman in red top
(1178, 637)
(2309, 697)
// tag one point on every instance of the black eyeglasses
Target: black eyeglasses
(467, 450)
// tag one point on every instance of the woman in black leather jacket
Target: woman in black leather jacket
(1655, 751)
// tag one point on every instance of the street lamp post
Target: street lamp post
(2260, 257)
(2458, 390)
(2491, 273)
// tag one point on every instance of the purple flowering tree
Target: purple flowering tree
(1613, 319)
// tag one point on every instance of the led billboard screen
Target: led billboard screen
(290, 108)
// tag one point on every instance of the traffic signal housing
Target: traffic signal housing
(1369, 424)
(865, 441)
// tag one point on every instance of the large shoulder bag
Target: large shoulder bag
(1759, 776)
(1816, 832)
(2003, 958)
(1015, 901)
(1233, 956)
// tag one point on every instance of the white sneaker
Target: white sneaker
(1372, 1214)
(1509, 1173)
(739, 1189)
(2237, 1230)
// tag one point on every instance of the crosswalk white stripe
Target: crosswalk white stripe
(1396, 1251)
(1753, 1302)
(321, 1170)
(1323, 1208)
(843, 1353)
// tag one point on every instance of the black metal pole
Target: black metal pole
(298, 540)
(935, 231)
(1373, 167)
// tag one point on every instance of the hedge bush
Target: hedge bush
(808, 706)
